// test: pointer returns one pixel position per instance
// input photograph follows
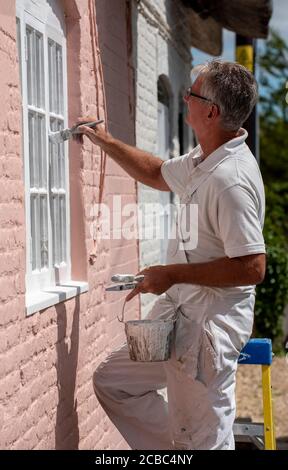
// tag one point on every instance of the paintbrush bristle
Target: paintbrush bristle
(60, 136)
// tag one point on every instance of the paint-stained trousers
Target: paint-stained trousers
(199, 376)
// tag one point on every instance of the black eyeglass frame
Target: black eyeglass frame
(189, 93)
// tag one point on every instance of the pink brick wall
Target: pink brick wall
(47, 360)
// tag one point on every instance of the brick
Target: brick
(116, 185)
(9, 337)
(10, 432)
(12, 142)
(42, 428)
(84, 393)
(11, 214)
(12, 191)
(11, 262)
(14, 122)
(11, 238)
(9, 385)
(7, 288)
(11, 311)
(29, 440)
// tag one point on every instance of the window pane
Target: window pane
(55, 228)
(35, 67)
(61, 161)
(43, 231)
(35, 219)
(37, 150)
(54, 150)
(62, 166)
(55, 77)
(59, 228)
(57, 158)
(59, 69)
(41, 149)
(30, 65)
(52, 76)
(39, 70)
(33, 143)
(63, 228)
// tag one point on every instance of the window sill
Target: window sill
(40, 300)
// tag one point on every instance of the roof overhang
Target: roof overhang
(207, 18)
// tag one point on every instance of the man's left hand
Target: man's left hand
(157, 279)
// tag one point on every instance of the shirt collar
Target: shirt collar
(222, 152)
(196, 156)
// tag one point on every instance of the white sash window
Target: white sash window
(42, 60)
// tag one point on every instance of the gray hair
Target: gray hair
(232, 87)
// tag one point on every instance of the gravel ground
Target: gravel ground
(249, 396)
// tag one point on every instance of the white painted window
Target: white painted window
(42, 57)
(164, 197)
(185, 133)
(182, 128)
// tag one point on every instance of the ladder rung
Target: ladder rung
(248, 429)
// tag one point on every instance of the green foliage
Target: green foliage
(273, 150)
(273, 78)
(274, 110)
(277, 210)
(272, 294)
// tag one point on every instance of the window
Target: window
(184, 132)
(163, 145)
(42, 59)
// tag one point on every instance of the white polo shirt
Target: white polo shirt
(227, 187)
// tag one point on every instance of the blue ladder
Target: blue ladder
(259, 351)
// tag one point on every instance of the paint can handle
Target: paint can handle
(121, 319)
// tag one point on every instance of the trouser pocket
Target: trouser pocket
(209, 357)
(188, 339)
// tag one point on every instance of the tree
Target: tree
(274, 78)
(273, 64)
(272, 294)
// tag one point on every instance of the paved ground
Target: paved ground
(249, 396)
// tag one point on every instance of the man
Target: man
(211, 287)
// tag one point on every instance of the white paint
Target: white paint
(37, 301)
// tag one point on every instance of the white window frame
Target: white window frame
(47, 285)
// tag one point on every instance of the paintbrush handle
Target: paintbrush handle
(87, 124)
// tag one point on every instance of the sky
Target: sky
(279, 21)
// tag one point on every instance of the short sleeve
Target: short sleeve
(239, 222)
(175, 172)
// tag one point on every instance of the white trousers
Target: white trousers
(200, 385)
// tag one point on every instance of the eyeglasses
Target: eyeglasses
(189, 93)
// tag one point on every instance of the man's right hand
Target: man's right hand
(98, 135)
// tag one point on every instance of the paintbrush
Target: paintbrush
(65, 134)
